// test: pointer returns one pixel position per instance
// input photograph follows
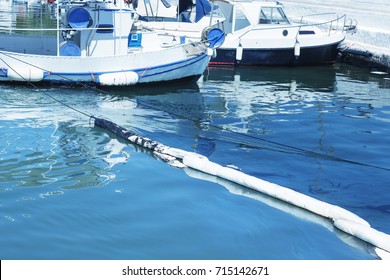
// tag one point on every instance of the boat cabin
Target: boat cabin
(98, 30)
(203, 12)
(247, 13)
(273, 15)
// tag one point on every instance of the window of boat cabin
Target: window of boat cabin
(273, 15)
(240, 20)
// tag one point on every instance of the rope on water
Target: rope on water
(253, 141)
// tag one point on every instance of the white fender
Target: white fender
(239, 52)
(297, 49)
(26, 74)
(124, 78)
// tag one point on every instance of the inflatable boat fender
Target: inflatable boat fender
(118, 79)
(26, 74)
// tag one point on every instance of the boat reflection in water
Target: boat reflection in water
(323, 78)
(254, 91)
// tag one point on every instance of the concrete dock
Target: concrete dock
(370, 45)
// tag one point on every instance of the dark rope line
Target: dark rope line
(43, 92)
(280, 147)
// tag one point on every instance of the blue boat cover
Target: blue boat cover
(203, 7)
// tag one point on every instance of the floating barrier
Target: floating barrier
(298, 212)
(341, 218)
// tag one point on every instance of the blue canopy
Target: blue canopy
(203, 7)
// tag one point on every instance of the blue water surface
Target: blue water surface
(69, 190)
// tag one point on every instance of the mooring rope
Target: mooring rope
(276, 146)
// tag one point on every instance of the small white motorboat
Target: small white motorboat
(257, 32)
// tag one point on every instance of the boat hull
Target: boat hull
(149, 68)
(324, 54)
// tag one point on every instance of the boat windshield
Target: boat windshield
(273, 15)
(241, 20)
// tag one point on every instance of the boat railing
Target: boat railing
(55, 29)
(43, 17)
(337, 23)
(308, 18)
(330, 26)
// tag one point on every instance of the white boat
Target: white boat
(102, 43)
(257, 32)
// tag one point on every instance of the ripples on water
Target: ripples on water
(69, 190)
(58, 170)
(69, 157)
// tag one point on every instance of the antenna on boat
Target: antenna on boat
(213, 6)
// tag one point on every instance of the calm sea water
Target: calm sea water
(69, 190)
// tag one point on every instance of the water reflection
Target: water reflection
(340, 112)
(26, 14)
(54, 147)
(278, 84)
(47, 149)
(310, 78)
(70, 157)
(18, 15)
(250, 91)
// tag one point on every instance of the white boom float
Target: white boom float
(341, 218)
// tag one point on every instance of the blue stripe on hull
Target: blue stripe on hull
(308, 56)
(156, 73)
(178, 66)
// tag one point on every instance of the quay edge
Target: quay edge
(364, 56)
